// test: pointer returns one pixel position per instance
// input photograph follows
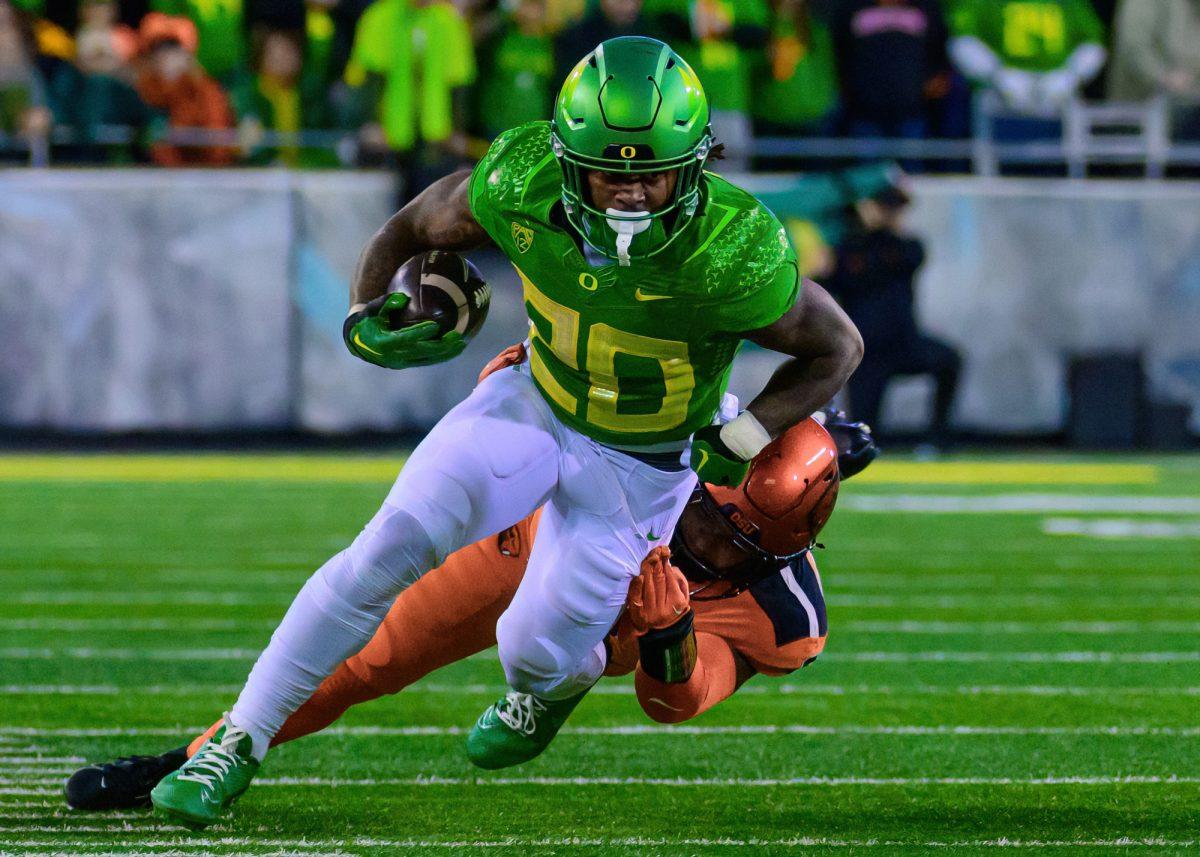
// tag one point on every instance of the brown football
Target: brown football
(442, 287)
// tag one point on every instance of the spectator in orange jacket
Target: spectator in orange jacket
(172, 81)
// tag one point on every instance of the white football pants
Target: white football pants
(492, 460)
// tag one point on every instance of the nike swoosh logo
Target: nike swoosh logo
(663, 704)
(642, 296)
(703, 459)
(358, 341)
(651, 537)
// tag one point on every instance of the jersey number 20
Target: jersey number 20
(561, 334)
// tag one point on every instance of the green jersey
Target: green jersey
(1031, 35)
(633, 356)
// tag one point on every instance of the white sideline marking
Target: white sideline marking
(951, 504)
(1121, 528)
(642, 729)
(193, 842)
(217, 654)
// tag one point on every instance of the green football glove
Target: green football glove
(370, 336)
(714, 462)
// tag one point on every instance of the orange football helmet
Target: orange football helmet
(741, 535)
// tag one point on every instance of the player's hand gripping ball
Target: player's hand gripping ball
(658, 597)
(433, 306)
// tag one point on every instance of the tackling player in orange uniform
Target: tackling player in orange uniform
(737, 594)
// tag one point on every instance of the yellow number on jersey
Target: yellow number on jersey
(1033, 28)
(604, 343)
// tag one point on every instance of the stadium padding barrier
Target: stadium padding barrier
(145, 300)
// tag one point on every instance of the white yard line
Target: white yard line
(1121, 528)
(198, 689)
(1085, 657)
(220, 654)
(166, 596)
(641, 729)
(193, 843)
(1020, 503)
(627, 689)
(87, 654)
(196, 842)
(706, 782)
(988, 628)
(137, 624)
(1086, 601)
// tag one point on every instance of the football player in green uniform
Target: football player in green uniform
(642, 273)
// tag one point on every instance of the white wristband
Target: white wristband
(745, 436)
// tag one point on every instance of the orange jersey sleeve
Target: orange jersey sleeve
(714, 679)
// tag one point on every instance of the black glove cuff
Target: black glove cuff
(365, 311)
(669, 654)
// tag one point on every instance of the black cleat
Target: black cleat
(123, 784)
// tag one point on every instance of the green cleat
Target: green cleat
(517, 728)
(200, 792)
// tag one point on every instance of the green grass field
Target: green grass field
(1012, 665)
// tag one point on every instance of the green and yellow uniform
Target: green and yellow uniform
(423, 54)
(635, 355)
(1030, 35)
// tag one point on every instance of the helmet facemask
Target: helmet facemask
(632, 106)
(626, 236)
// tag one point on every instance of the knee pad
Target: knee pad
(391, 553)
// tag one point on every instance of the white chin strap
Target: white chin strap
(626, 224)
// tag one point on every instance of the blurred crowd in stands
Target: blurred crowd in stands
(426, 83)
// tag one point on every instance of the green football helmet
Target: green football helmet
(634, 106)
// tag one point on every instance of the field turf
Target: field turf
(1012, 666)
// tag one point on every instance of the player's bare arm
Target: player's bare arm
(437, 219)
(825, 347)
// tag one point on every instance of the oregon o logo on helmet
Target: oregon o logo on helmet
(589, 281)
(629, 151)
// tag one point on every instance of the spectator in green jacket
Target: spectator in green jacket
(519, 57)
(281, 94)
(796, 83)
(409, 69)
(727, 39)
(1035, 53)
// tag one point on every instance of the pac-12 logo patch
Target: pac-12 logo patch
(522, 237)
